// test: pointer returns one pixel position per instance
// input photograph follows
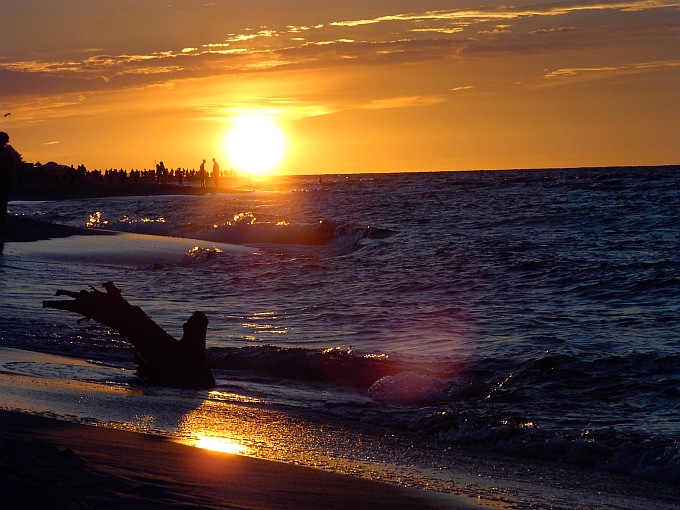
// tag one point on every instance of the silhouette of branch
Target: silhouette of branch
(161, 358)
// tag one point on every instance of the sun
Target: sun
(255, 144)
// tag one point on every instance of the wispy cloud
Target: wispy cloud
(468, 17)
(498, 29)
(604, 71)
(558, 30)
(402, 102)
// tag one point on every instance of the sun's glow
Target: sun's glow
(255, 145)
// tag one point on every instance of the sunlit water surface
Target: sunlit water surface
(414, 327)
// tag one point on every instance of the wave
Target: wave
(479, 405)
(337, 237)
(581, 402)
(557, 379)
(600, 448)
(542, 408)
(337, 366)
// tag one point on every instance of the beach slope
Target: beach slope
(50, 463)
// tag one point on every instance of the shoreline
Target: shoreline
(51, 458)
(69, 465)
(21, 229)
(61, 191)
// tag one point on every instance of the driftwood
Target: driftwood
(160, 357)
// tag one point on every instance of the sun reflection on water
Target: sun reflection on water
(95, 220)
(208, 428)
(220, 444)
(226, 396)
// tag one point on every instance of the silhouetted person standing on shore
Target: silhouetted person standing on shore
(6, 168)
(201, 174)
(160, 172)
(216, 173)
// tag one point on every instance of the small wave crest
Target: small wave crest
(333, 238)
(199, 254)
(337, 366)
(382, 378)
(408, 388)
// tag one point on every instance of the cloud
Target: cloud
(558, 30)
(576, 71)
(569, 74)
(468, 17)
(438, 30)
(340, 52)
(402, 102)
(639, 67)
(498, 29)
(386, 39)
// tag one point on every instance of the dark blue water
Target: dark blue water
(534, 314)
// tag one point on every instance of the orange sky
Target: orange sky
(358, 87)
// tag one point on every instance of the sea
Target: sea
(510, 336)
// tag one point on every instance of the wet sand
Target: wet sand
(56, 464)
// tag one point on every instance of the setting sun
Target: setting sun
(255, 144)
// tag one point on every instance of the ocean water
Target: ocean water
(466, 332)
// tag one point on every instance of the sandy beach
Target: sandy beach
(54, 464)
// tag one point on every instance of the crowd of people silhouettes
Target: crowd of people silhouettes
(52, 179)
(14, 171)
(53, 173)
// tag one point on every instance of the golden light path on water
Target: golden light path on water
(201, 429)
(232, 423)
(235, 424)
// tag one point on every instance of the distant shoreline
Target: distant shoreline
(62, 191)
(34, 191)
(22, 229)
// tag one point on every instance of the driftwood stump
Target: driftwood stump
(163, 359)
